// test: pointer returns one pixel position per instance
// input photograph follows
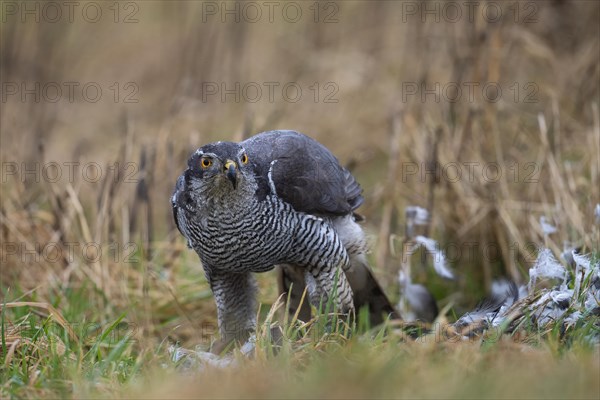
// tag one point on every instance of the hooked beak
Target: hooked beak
(231, 172)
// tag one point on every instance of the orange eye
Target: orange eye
(244, 158)
(206, 162)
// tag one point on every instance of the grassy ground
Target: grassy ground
(50, 357)
(97, 283)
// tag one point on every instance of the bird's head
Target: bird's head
(221, 167)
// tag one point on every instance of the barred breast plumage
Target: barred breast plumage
(262, 234)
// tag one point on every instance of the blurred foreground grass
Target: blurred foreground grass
(52, 358)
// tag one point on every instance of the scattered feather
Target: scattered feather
(584, 269)
(561, 297)
(501, 288)
(546, 266)
(547, 228)
(573, 318)
(439, 258)
(196, 360)
(416, 301)
(567, 254)
(417, 215)
(493, 310)
(582, 261)
(551, 306)
(485, 311)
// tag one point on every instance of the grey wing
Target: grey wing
(178, 204)
(304, 172)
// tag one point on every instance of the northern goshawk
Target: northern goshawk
(282, 199)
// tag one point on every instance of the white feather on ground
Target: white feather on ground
(198, 360)
(546, 266)
(439, 258)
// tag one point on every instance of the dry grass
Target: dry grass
(548, 152)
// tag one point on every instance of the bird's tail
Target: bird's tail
(368, 293)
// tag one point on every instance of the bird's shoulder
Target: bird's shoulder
(304, 173)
